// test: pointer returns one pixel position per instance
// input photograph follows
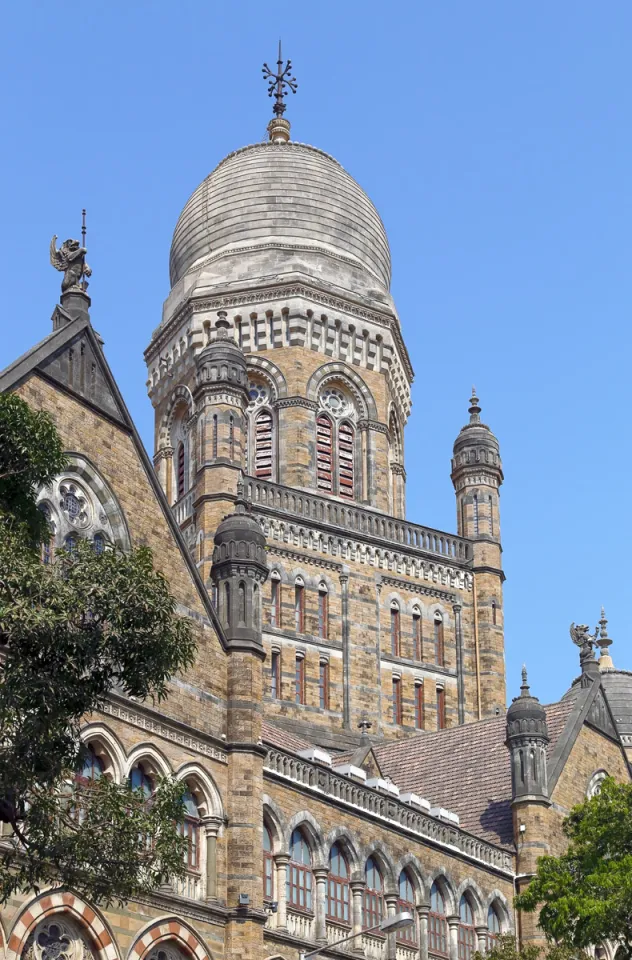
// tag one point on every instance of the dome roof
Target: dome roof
(289, 196)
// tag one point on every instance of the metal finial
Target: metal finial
(280, 83)
(524, 689)
(474, 410)
(365, 725)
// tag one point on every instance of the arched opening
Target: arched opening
(418, 653)
(467, 930)
(180, 471)
(275, 599)
(324, 453)
(437, 923)
(373, 903)
(299, 878)
(439, 650)
(406, 903)
(494, 926)
(141, 778)
(323, 611)
(268, 865)
(338, 897)
(395, 629)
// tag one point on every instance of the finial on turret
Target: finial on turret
(474, 410)
(604, 641)
(524, 689)
(280, 83)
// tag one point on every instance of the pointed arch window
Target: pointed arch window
(324, 453)
(418, 651)
(190, 830)
(439, 647)
(440, 708)
(494, 927)
(323, 612)
(406, 903)
(338, 898)
(397, 700)
(395, 629)
(299, 694)
(373, 905)
(268, 865)
(275, 674)
(226, 610)
(346, 456)
(299, 605)
(180, 470)
(275, 600)
(92, 768)
(263, 445)
(419, 704)
(437, 923)
(467, 931)
(299, 874)
(141, 779)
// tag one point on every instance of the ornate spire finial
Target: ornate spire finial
(70, 260)
(524, 689)
(604, 641)
(279, 81)
(365, 725)
(474, 409)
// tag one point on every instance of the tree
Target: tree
(585, 895)
(70, 634)
(506, 948)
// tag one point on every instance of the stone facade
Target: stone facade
(342, 731)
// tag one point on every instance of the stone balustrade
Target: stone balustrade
(183, 508)
(349, 793)
(300, 925)
(274, 498)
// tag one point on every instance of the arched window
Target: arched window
(263, 445)
(397, 700)
(494, 927)
(268, 865)
(214, 437)
(346, 455)
(48, 545)
(418, 652)
(395, 629)
(437, 923)
(141, 779)
(299, 875)
(275, 674)
(299, 693)
(226, 610)
(323, 684)
(419, 704)
(440, 708)
(338, 886)
(180, 471)
(256, 607)
(494, 612)
(324, 453)
(275, 600)
(373, 905)
(190, 830)
(323, 612)
(70, 544)
(438, 640)
(242, 602)
(231, 438)
(467, 931)
(92, 768)
(299, 605)
(406, 903)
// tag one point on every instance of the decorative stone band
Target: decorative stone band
(49, 904)
(421, 589)
(398, 469)
(300, 558)
(475, 480)
(375, 806)
(374, 425)
(296, 402)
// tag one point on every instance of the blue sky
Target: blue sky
(495, 140)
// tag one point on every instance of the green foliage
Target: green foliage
(506, 948)
(31, 453)
(585, 896)
(71, 633)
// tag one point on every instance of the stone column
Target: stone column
(281, 863)
(460, 681)
(453, 936)
(391, 938)
(211, 829)
(363, 427)
(357, 895)
(481, 933)
(320, 875)
(422, 913)
(346, 650)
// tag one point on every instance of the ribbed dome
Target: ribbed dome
(285, 195)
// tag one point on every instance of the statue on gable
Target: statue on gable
(70, 259)
(585, 641)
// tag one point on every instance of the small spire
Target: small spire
(280, 83)
(364, 726)
(604, 641)
(474, 409)
(524, 689)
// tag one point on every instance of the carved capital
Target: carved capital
(373, 425)
(296, 402)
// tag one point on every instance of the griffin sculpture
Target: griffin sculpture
(70, 260)
(585, 642)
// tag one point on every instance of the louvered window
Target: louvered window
(263, 445)
(181, 475)
(345, 460)
(324, 453)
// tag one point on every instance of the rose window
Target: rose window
(335, 402)
(258, 393)
(73, 503)
(56, 940)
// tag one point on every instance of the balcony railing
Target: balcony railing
(374, 947)
(190, 886)
(183, 508)
(300, 925)
(273, 498)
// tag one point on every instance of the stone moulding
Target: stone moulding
(161, 728)
(346, 793)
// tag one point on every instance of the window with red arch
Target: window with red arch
(268, 865)
(373, 904)
(338, 898)
(467, 930)
(346, 458)
(437, 923)
(324, 453)
(406, 904)
(299, 874)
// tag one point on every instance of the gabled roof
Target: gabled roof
(98, 389)
(276, 737)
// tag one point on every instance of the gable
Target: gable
(600, 717)
(592, 751)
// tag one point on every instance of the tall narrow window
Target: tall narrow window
(48, 545)
(467, 930)
(268, 865)
(490, 504)
(323, 612)
(300, 679)
(323, 684)
(226, 610)
(299, 605)
(419, 705)
(494, 928)
(395, 629)
(275, 675)
(324, 454)
(373, 911)
(214, 438)
(475, 508)
(231, 438)
(338, 887)
(140, 779)
(242, 602)
(92, 768)
(406, 904)
(397, 700)
(346, 443)
(180, 468)
(299, 874)
(190, 830)
(263, 445)
(494, 612)
(275, 602)
(98, 543)
(437, 923)
(438, 640)
(256, 607)
(418, 652)
(440, 708)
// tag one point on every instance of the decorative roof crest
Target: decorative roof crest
(280, 83)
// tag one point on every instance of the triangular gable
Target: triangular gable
(45, 359)
(72, 358)
(600, 716)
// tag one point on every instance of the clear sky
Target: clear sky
(494, 138)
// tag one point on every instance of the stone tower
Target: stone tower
(477, 475)
(280, 358)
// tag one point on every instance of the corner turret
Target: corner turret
(527, 740)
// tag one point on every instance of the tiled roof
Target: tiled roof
(465, 769)
(276, 737)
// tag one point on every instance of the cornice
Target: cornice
(303, 558)
(296, 402)
(373, 425)
(420, 588)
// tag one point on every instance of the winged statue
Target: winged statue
(584, 640)
(70, 260)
